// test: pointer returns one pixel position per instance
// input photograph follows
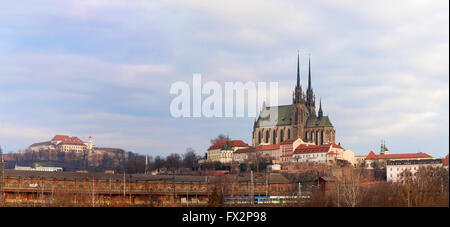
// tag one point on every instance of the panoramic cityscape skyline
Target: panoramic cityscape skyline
(104, 69)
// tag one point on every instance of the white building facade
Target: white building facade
(396, 169)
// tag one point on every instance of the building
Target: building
(270, 151)
(68, 144)
(251, 154)
(222, 151)
(243, 155)
(101, 189)
(276, 124)
(397, 170)
(62, 143)
(343, 157)
(372, 160)
(39, 168)
(360, 160)
(287, 148)
(330, 154)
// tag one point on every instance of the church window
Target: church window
(289, 134)
(321, 137)
(281, 135)
(259, 137)
(317, 137)
(267, 136)
(312, 137)
(274, 137)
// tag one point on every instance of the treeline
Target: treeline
(118, 161)
(428, 188)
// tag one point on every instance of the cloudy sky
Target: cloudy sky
(104, 68)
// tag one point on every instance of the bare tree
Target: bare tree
(190, 158)
(348, 186)
(427, 187)
(173, 162)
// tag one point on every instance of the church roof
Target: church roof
(285, 117)
(318, 122)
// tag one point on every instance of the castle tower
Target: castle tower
(89, 144)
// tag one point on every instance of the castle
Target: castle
(276, 124)
(67, 144)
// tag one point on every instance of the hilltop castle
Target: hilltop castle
(298, 120)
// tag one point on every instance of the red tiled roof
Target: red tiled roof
(60, 137)
(303, 148)
(73, 141)
(232, 143)
(372, 156)
(269, 147)
(288, 141)
(245, 150)
(68, 140)
(336, 146)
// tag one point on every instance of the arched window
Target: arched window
(259, 137)
(289, 133)
(321, 137)
(312, 137)
(267, 136)
(281, 135)
(306, 136)
(317, 137)
(274, 137)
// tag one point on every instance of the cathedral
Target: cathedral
(298, 120)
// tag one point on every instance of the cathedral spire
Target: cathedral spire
(298, 68)
(320, 108)
(309, 73)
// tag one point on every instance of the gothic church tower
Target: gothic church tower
(310, 97)
(299, 114)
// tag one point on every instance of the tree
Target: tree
(349, 186)
(190, 159)
(173, 162)
(427, 187)
(159, 163)
(219, 137)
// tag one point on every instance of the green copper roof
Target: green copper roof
(318, 122)
(285, 117)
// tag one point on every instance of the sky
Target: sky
(104, 69)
